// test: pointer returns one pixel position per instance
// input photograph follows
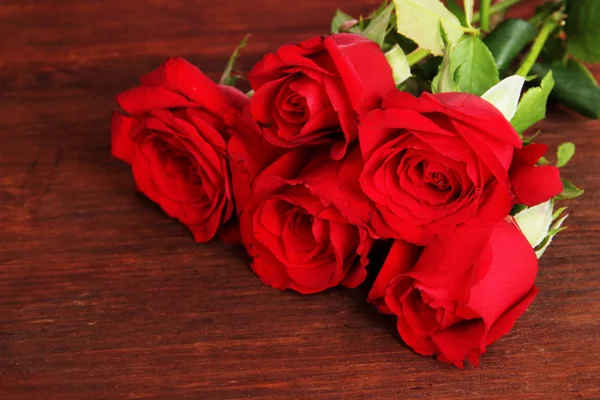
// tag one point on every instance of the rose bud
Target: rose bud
(172, 132)
(296, 240)
(309, 93)
(461, 293)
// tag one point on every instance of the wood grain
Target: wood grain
(104, 297)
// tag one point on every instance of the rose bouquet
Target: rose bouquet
(406, 133)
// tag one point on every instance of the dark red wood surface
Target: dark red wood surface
(104, 297)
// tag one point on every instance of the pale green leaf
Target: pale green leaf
(532, 107)
(505, 95)
(535, 222)
(418, 20)
(379, 25)
(399, 64)
(477, 65)
(564, 154)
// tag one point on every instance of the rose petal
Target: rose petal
(509, 277)
(123, 146)
(363, 67)
(400, 259)
(179, 76)
(142, 99)
(507, 320)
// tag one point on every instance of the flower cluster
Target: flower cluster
(327, 156)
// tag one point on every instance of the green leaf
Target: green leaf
(379, 25)
(381, 8)
(399, 64)
(556, 226)
(580, 69)
(543, 161)
(583, 29)
(554, 230)
(457, 10)
(339, 18)
(555, 50)
(419, 19)
(507, 41)
(532, 107)
(570, 191)
(558, 213)
(227, 78)
(477, 65)
(564, 154)
(575, 87)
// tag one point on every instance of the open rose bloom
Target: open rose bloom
(174, 135)
(340, 144)
(441, 293)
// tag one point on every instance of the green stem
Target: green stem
(537, 47)
(471, 31)
(484, 9)
(417, 56)
(496, 8)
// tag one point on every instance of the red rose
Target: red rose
(434, 162)
(309, 93)
(462, 293)
(296, 241)
(249, 154)
(174, 137)
(533, 185)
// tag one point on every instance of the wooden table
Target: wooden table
(104, 297)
